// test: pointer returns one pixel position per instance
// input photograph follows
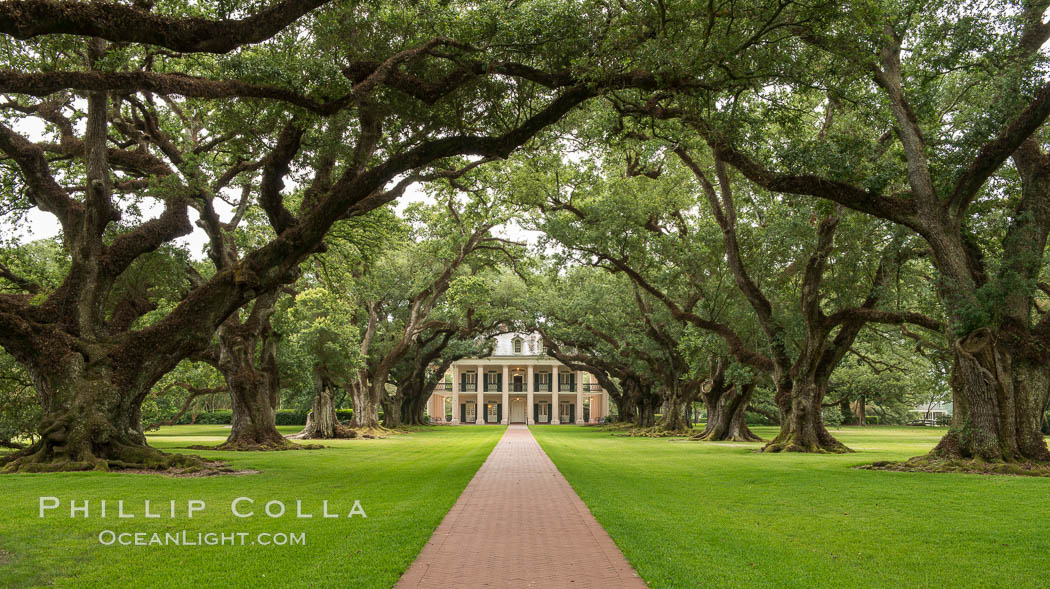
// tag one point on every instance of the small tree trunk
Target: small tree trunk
(322, 423)
(726, 414)
(366, 399)
(413, 407)
(391, 411)
(625, 408)
(845, 411)
(801, 423)
(859, 410)
(417, 411)
(646, 416)
(675, 417)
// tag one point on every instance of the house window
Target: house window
(517, 345)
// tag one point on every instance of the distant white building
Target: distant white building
(934, 412)
(518, 383)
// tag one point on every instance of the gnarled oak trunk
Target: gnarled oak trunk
(91, 422)
(726, 412)
(253, 385)
(801, 423)
(1000, 392)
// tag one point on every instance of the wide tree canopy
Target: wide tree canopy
(734, 196)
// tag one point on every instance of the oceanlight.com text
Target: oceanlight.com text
(188, 538)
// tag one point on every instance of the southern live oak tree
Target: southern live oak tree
(597, 322)
(477, 306)
(405, 291)
(400, 99)
(646, 228)
(325, 337)
(939, 127)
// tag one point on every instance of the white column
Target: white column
(579, 398)
(479, 388)
(528, 388)
(506, 394)
(554, 396)
(455, 395)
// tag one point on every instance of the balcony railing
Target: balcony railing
(472, 387)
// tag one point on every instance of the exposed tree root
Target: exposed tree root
(256, 439)
(371, 432)
(47, 457)
(344, 432)
(963, 466)
(652, 432)
(745, 435)
(249, 446)
(617, 426)
(828, 445)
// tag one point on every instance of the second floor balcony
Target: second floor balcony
(516, 387)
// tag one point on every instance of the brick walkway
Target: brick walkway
(519, 524)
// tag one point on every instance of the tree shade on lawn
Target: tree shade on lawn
(718, 515)
(405, 484)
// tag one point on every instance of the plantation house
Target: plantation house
(518, 383)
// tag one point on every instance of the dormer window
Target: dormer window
(517, 345)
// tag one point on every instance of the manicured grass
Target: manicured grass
(405, 484)
(696, 514)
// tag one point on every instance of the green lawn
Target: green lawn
(686, 514)
(695, 514)
(405, 484)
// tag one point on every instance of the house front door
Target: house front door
(517, 411)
